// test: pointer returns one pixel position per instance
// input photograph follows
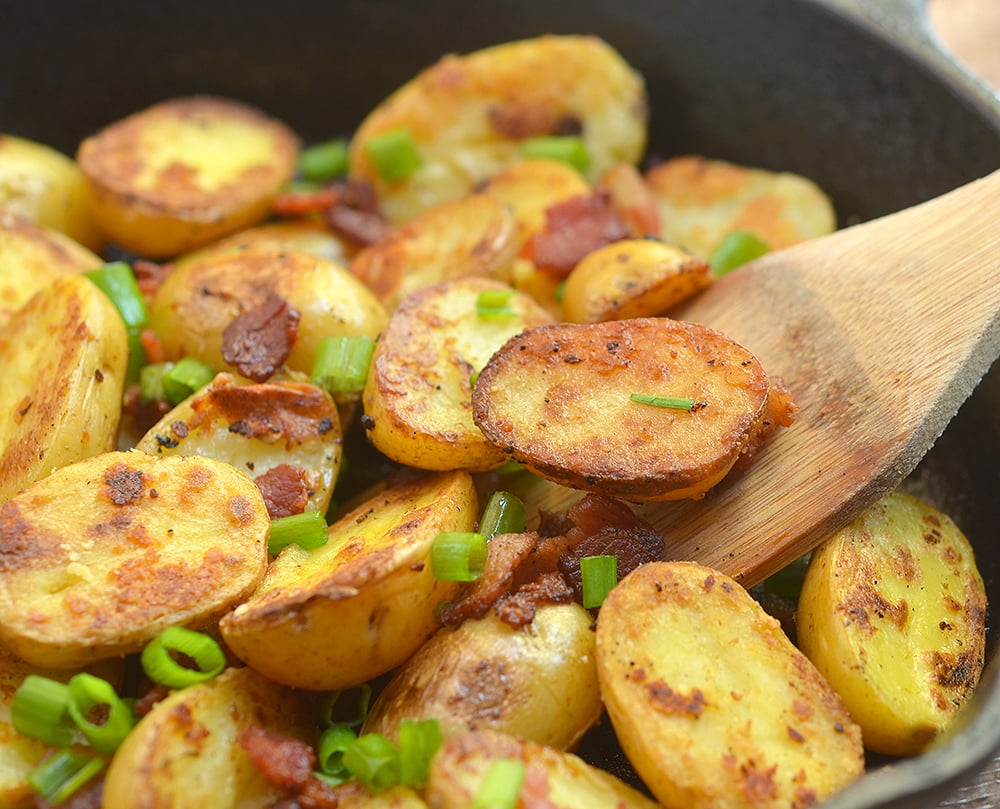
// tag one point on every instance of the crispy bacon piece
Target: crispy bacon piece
(259, 340)
(146, 703)
(143, 415)
(633, 199)
(153, 346)
(150, 276)
(355, 215)
(517, 120)
(779, 411)
(518, 609)
(296, 204)
(285, 490)
(288, 763)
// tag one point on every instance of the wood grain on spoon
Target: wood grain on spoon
(880, 331)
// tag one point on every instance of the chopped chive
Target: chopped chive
(600, 575)
(90, 695)
(374, 761)
(308, 530)
(493, 303)
(151, 382)
(332, 780)
(188, 375)
(159, 657)
(330, 750)
(675, 402)
(117, 281)
(62, 774)
(419, 740)
(394, 154)
(324, 161)
(504, 514)
(357, 699)
(567, 148)
(341, 364)
(458, 556)
(501, 786)
(735, 250)
(40, 709)
(136, 355)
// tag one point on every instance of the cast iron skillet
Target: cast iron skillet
(812, 87)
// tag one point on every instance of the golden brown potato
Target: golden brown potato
(185, 171)
(557, 399)
(418, 397)
(892, 611)
(102, 555)
(64, 355)
(510, 671)
(711, 702)
(338, 615)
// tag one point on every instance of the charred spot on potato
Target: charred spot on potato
(674, 703)
(125, 485)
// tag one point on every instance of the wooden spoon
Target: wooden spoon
(880, 331)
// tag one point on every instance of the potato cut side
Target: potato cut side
(711, 702)
(64, 355)
(341, 614)
(892, 611)
(418, 397)
(100, 556)
(557, 399)
(184, 172)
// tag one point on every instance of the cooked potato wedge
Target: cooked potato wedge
(338, 615)
(557, 399)
(711, 702)
(418, 397)
(553, 779)
(355, 795)
(469, 114)
(101, 555)
(184, 754)
(892, 611)
(185, 171)
(632, 278)
(64, 355)
(487, 674)
(701, 201)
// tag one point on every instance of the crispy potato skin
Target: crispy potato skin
(711, 702)
(143, 543)
(556, 398)
(892, 611)
(184, 172)
(341, 614)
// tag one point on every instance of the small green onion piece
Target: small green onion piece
(308, 530)
(501, 786)
(493, 303)
(357, 698)
(419, 740)
(374, 761)
(186, 377)
(787, 582)
(117, 281)
(458, 556)
(40, 709)
(324, 161)
(87, 692)
(736, 249)
(330, 750)
(567, 148)
(675, 402)
(600, 575)
(136, 355)
(504, 514)
(341, 364)
(332, 780)
(160, 663)
(560, 292)
(510, 468)
(472, 378)
(151, 382)
(394, 154)
(62, 774)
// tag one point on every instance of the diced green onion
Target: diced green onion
(560, 292)
(40, 709)
(567, 148)
(493, 303)
(160, 663)
(675, 402)
(374, 761)
(117, 281)
(308, 530)
(341, 363)
(501, 786)
(136, 355)
(394, 154)
(62, 774)
(458, 556)
(504, 514)
(472, 378)
(324, 161)
(187, 376)
(510, 468)
(736, 249)
(357, 698)
(330, 750)
(600, 575)
(419, 740)
(86, 693)
(332, 780)
(151, 382)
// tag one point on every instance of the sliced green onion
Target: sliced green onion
(504, 514)
(308, 530)
(187, 376)
(357, 698)
(501, 786)
(419, 740)
(151, 382)
(493, 303)
(510, 468)
(136, 355)
(394, 154)
(324, 161)
(330, 750)
(40, 709)
(472, 378)
(458, 556)
(736, 249)
(160, 663)
(117, 281)
(675, 402)
(88, 694)
(332, 780)
(374, 761)
(567, 148)
(341, 363)
(62, 774)
(600, 575)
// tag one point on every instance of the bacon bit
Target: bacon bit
(518, 609)
(355, 215)
(146, 703)
(153, 346)
(779, 411)
(259, 340)
(633, 199)
(283, 760)
(150, 276)
(297, 204)
(143, 414)
(285, 490)
(517, 121)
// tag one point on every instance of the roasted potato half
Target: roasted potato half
(103, 554)
(711, 702)
(185, 171)
(468, 116)
(557, 399)
(338, 615)
(892, 611)
(418, 397)
(64, 355)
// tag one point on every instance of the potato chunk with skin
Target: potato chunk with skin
(184, 172)
(338, 615)
(892, 611)
(100, 556)
(418, 397)
(557, 399)
(711, 702)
